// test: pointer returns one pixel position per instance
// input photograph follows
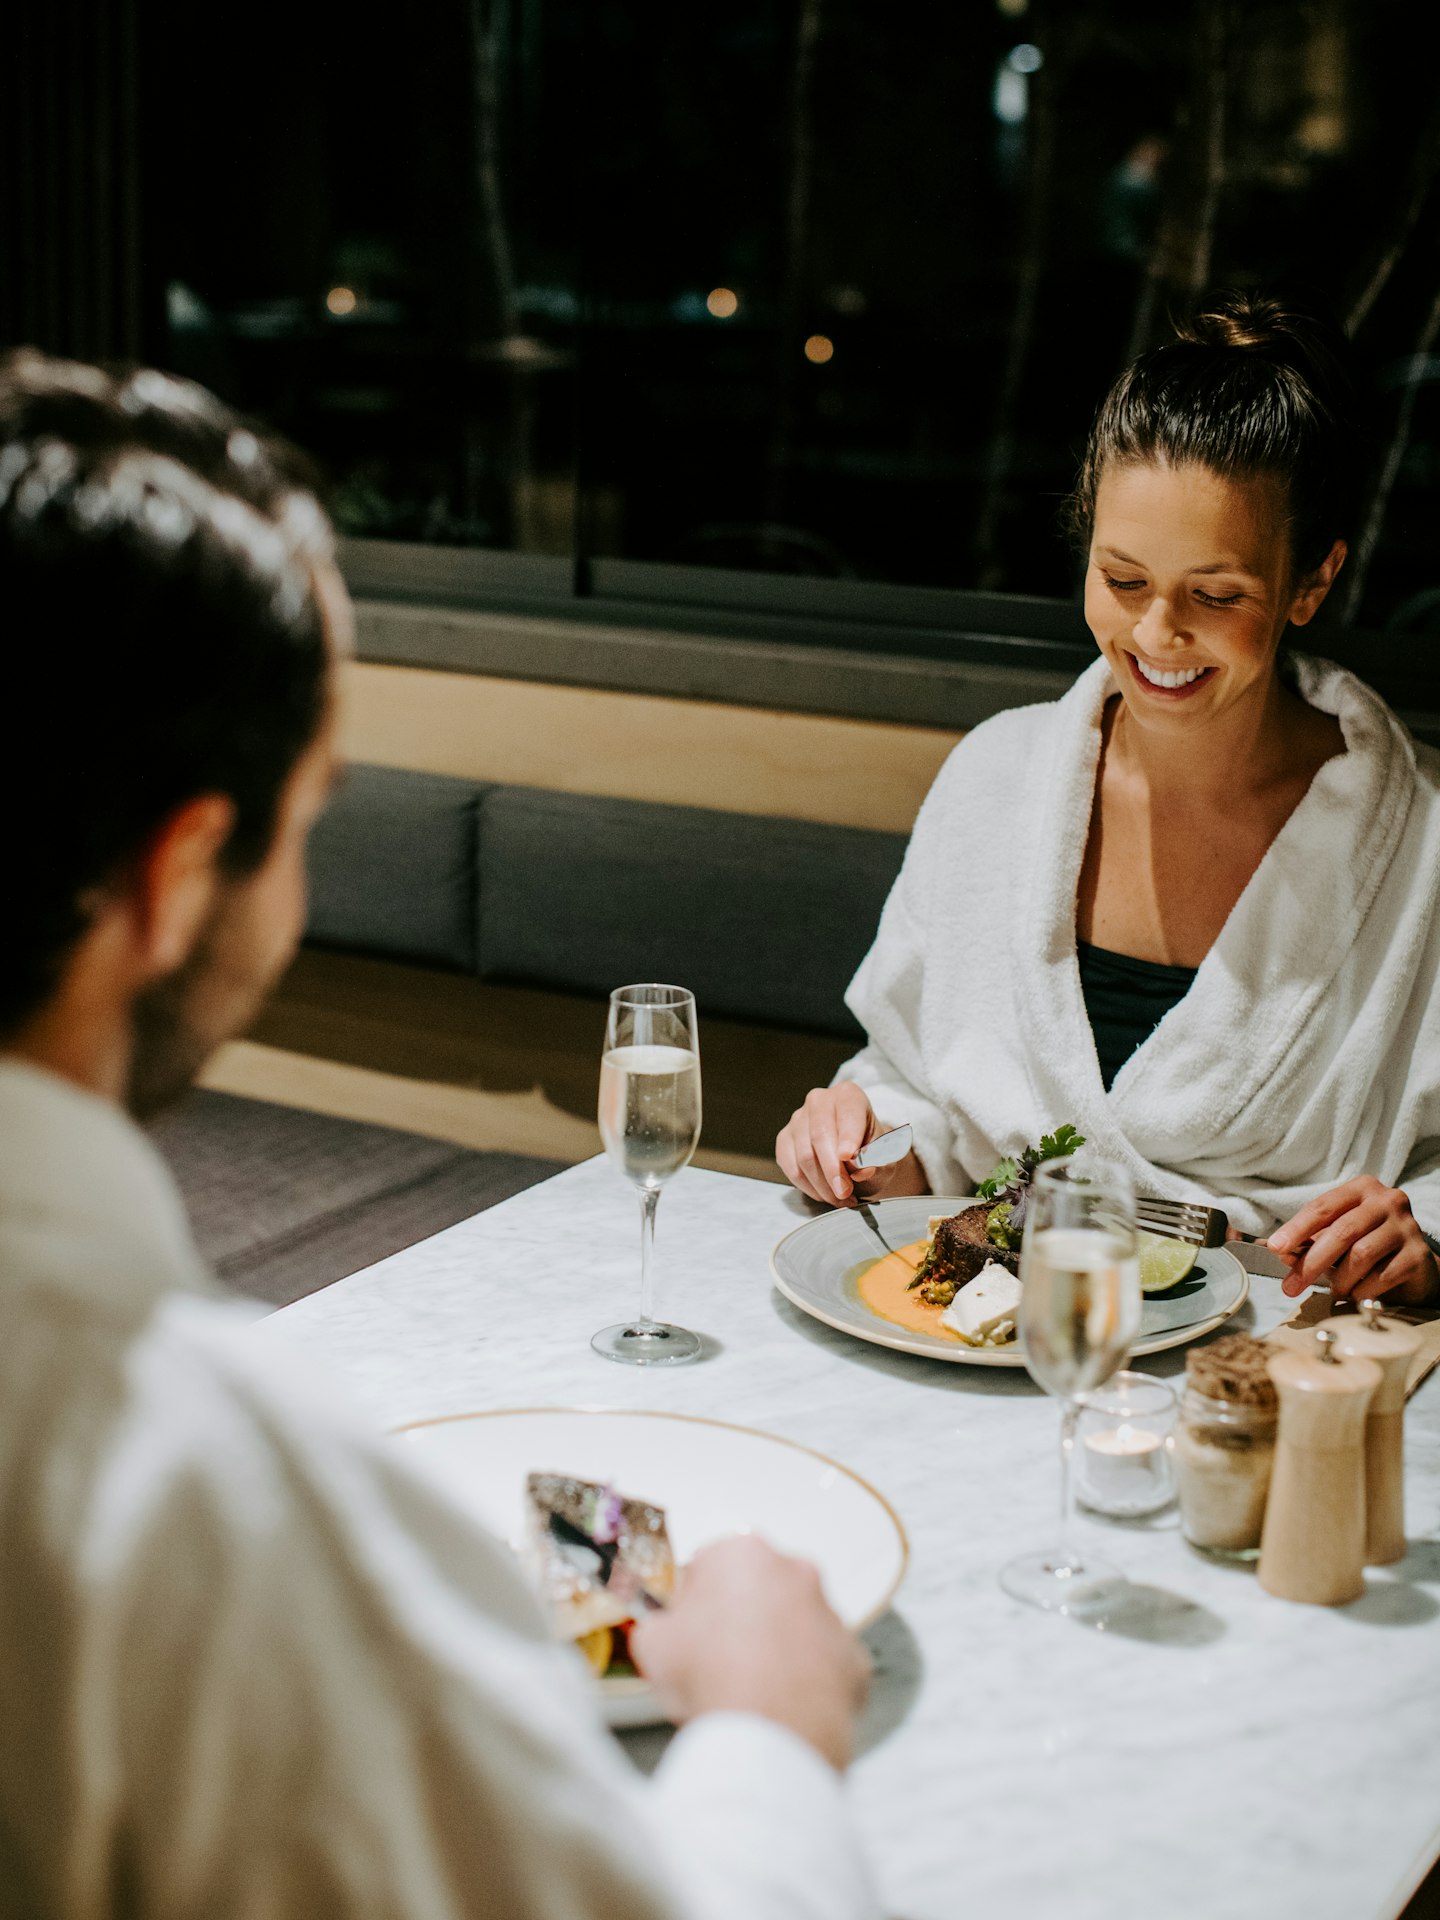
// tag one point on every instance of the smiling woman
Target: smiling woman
(1188, 907)
(1193, 642)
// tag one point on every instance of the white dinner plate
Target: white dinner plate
(819, 1265)
(713, 1480)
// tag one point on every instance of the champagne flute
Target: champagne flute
(1079, 1316)
(650, 1123)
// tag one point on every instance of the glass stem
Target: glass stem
(1069, 1421)
(649, 1201)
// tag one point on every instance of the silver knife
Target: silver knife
(1256, 1257)
(883, 1151)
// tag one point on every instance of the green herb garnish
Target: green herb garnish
(1009, 1185)
(998, 1181)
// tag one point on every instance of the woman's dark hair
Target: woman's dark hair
(162, 637)
(1251, 388)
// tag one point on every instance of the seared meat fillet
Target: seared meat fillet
(960, 1249)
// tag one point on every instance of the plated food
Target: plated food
(969, 1263)
(987, 1234)
(828, 1269)
(601, 1560)
(701, 1479)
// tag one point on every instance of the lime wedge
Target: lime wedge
(1164, 1263)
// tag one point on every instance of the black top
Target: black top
(1126, 1000)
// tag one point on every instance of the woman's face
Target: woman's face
(1189, 589)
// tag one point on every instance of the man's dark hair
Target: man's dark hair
(1251, 388)
(162, 637)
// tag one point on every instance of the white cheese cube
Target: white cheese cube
(986, 1309)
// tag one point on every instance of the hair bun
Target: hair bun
(1305, 346)
(1251, 385)
(1249, 321)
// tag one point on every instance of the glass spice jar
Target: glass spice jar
(1225, 1447)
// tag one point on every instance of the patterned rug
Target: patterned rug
(283, 1202)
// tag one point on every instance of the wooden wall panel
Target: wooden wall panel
(633, 746)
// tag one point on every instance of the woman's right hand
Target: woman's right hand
(826, 1133)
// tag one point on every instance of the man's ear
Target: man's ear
(1313, 588)
(176, 878)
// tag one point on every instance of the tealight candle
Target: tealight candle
(1123, 1467)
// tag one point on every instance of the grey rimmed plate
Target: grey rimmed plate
(818, 1267)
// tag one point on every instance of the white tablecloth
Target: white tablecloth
(1211, 1753)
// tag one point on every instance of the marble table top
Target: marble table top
(1210, 1752)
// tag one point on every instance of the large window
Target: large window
(826, 288)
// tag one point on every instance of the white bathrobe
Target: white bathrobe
(1307, 1049)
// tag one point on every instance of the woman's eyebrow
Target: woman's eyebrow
(1215, 566)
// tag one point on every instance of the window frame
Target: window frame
(864, 650)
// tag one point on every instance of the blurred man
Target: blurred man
(248, 1664)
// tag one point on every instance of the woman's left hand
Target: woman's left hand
(1365, 1241)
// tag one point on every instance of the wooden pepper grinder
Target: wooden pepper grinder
(1392, 1345)
(1312, 1547)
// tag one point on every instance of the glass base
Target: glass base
(646, 1344)
(1227, 1556)
(1062, 1580)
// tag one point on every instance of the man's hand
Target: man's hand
(751, 1632)
(825, 1134)
(1365, 1241)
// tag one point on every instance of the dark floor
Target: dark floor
(452, 1031)
(283, 1201)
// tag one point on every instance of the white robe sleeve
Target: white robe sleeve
(886, 997)
(717, 1794)
(329, 1693)
(1421, 1183)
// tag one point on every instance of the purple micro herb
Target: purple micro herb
(608, 1514)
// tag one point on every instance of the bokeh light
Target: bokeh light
(819, 348)
(341, 300)
(723, 302)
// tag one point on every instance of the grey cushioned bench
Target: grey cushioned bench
(393, 867)
(765, 919)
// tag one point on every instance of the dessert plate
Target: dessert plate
(712, 1479)
(818, 1267)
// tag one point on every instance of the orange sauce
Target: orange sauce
(884, 1288)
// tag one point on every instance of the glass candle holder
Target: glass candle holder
(1123, 1447)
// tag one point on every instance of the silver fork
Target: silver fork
(1198, 1226)
(1187, 1220)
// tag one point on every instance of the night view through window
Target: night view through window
(817, 288)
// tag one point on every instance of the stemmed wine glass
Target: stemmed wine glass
(650, 1123)
(1079, 1316)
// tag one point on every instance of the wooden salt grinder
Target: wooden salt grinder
(1312, 1547)
(1391, 1345)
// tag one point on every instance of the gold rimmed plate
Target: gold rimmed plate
(819, 1267)
(713, 1480)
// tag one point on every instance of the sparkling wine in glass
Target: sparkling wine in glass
(650, 1123)
(1079, 1317)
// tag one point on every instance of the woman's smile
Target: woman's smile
(1169, 683)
